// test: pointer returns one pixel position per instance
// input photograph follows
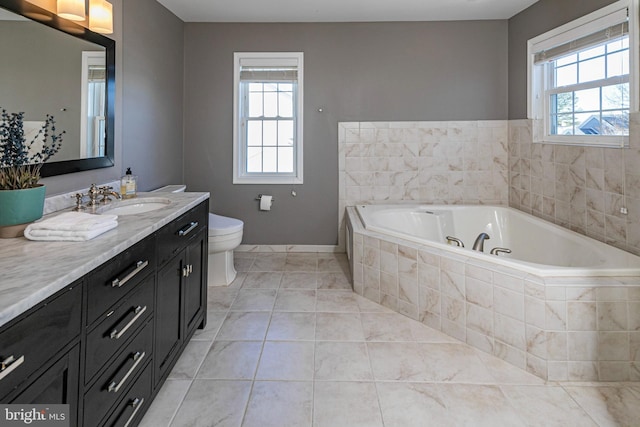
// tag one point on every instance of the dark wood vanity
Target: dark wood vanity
(106, 343)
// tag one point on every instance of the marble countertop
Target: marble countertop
(31, 271)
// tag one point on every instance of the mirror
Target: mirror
(53, 66)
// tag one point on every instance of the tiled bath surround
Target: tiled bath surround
(581, 188)
(560, 329)
(430, 162)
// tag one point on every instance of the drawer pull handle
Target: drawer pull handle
(115, 334)
(9, 364)
(140, 265)
(188, 228)
(115, 386)
(136, 405)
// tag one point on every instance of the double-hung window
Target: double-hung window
(268, 118)
(582, 78)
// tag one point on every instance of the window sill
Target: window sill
(272, 180)
(613, 142)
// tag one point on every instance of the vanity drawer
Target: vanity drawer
(112, 385)
(107, 284)
(130, 410)
(31, 342)
(118, 326)
(174, 236)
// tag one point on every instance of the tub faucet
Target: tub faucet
(478, 245)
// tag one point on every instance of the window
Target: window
(93, 97)
(581, 78)
(268, 118)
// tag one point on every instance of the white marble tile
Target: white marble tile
(286, 361)
(548, 405)
(166, 403)
(342, 361)
(298, 280)
(214, 321)
(333, 281)
(280, 404)
(262, 280)
(609, 406)
(231, 360)
(412, 404)
(295, 300)
(505, 373)
(353, 404)
(339, 327)
(244, 326)
(269, 262)
(301, 262)
(190, 360)
(478, 406)
(288, 326)
(336, 301)
(213, 402)
(220, 299)
(254, 300)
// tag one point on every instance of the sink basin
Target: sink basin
(135, 206)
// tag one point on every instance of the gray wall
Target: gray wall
(541, 17)
(149, 79)
(355, 72)
(153, 93)
(43, 76)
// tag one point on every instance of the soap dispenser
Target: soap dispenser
(128, 187)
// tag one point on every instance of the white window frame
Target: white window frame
(538, 79)
(240, 174)
(90, 58)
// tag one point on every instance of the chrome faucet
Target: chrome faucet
(478, 245)
(107, 192)
(498, 251)
(451, 240)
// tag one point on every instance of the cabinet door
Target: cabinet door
(195, 287)
(168, 315)
(57, 385)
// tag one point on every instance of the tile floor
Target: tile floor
(289, 344)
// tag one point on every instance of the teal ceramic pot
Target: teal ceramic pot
(21, 206)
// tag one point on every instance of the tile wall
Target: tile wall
(576, 187)
(429, 162)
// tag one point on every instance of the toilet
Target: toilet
(225, 234)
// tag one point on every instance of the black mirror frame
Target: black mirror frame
(50, 19)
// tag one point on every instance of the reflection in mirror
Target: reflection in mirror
(64, 70)
(92, 116)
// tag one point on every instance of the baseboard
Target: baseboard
(289, 248)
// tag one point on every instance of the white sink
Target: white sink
(135, 206)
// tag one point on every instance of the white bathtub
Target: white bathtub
(538, 247)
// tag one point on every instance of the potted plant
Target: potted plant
(21, 194)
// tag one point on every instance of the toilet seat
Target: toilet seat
(221, 225)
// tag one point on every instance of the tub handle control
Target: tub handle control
(498, 251)
(458, 242)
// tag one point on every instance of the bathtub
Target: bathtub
(538, 247)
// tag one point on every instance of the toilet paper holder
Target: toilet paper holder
(260, 197)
